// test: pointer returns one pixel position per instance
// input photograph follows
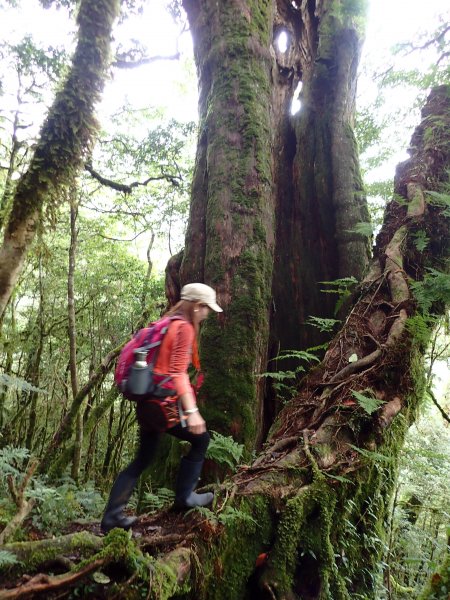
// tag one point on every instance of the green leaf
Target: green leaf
(377, 456)
(420, 240)
(338, 477)
(279, 375)
(300, 354)
(154, 502)
(18, 383)
(440, 200)
(7, 559)
(224, 450)
(339, 286)
(368, 403)
(230, 515)
(435, 287)
(362, 228)
(100, 577)
(322, 324)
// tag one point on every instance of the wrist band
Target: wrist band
(191, 411)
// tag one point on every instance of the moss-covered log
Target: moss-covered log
(34, 554)
(274, 195)
(165, 576)
(64, 142)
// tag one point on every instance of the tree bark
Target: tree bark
(274, 195)
(65, 139)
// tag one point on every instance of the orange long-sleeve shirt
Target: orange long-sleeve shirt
(175, 354)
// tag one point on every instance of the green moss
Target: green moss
(119, 547)
(334, 532)
(47, 550)
(350, 13)
(225, 572)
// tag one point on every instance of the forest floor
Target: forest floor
(154, 534)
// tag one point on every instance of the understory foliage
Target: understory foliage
(419, 528)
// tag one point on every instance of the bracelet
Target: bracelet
(191, 411)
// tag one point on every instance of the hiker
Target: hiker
(178, 349)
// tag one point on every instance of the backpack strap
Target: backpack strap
(158, 344)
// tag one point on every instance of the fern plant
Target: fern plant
(227, 517)
(18, 383)
(363, 228)
(441, 200)
(224, 450)
(434, 287)
(322, 324)
(420, 240)
(368, 403)
(343, 287)
(7, 559)
(162, 498)
(55, 505)
(284, 382)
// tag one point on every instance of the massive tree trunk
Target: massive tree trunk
(274, 195)
(65, 138)
(307, 519)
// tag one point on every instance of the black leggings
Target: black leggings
(148, 443)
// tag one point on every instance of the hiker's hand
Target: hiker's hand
(196, 423)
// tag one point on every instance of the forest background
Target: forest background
(95, 269)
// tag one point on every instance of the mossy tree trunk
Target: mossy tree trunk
(308, 516)
(65, 140)
(274, 195)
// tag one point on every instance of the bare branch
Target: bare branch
(128, 188)
(123, 63)
(105, 237)
(438, 406)
(128, 213)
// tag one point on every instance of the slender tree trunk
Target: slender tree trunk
(65, 138)
(76, 459)
(109, 443)
(33, 375)
(270, 188)
(7, 194)
(145, 287)
(8, 354)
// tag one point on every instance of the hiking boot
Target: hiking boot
(188, 476)
(118, 498)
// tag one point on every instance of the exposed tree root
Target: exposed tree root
(45, 583)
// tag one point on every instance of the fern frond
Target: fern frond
(322, 324)
(368, 403)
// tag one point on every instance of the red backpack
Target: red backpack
(136, 380)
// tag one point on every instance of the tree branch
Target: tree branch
(445, 416)
(123, 63)
(435, 40)
(128, 188)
